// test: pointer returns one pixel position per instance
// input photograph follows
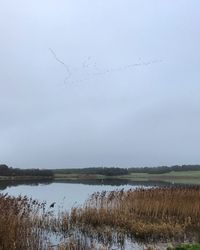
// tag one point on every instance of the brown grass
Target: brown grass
(16, 223)
(26, 224)
(158, 213)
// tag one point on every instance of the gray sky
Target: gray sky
(99, 83)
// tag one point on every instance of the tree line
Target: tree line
(9, 171)
(112, 171)
(164, 169)
(115, 171)
(107, 171)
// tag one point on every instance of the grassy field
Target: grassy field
(181, 177)
(186, 247)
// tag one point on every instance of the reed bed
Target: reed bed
(106, 218)
(26, 224)
(19, 224)
(148, 214)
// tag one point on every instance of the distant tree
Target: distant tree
(9, 171)
(112, 171)
(164, 169)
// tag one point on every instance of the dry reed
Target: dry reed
(26, 224)
(157, 213)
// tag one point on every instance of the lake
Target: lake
(66, 194)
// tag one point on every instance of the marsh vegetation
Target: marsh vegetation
(147, 214)
(169, 214)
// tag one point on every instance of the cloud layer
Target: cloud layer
(99, 83)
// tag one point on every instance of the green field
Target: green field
(186, 247)
(181, 177)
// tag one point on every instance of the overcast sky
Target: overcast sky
(88, 83)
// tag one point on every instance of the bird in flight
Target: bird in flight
(89, 68)
(62, 63)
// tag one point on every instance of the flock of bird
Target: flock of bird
(89, 69)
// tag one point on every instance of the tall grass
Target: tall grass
(148, 214)
(26, 224)
(19, 224)
(157, 213)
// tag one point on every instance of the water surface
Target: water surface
(65, 194)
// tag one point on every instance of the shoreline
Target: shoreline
(183, 177)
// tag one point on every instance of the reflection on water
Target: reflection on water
(64, 194)
(67, 193)
(13, 183)
(112, 240)
(4, 184)
(114, 182)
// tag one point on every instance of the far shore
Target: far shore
(188, 177)
(173, 177)
(25, 178)
(184, 177)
